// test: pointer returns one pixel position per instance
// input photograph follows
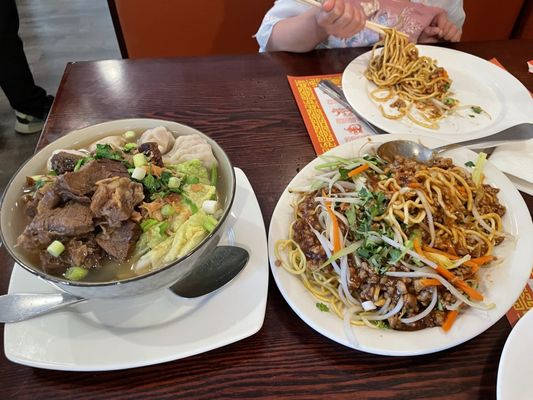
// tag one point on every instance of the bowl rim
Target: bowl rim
(65, 282)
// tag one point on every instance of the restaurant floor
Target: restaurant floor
(54, 32)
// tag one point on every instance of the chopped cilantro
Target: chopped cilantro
(39, 184)
(81, 161)
(322, 307)
(450, 101)
(151, 183)
(129, 147)
(469, 164)
(477, 109)
(106, 151)
(344, 173)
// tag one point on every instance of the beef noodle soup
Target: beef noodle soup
(120, 207)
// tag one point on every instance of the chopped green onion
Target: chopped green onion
(56, 248)
(322, 307)
(148, 223)
(138, 173)
(130, 135)
(167, 210)
(210, 223)
(163, 226)
(477, 109)
(129, 146)
(75, 273)
(139, 160)
(174, 182)
(214, 175)
(469, 164)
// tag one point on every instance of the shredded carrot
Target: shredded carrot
(429, 282)
(456, 281)
(442, 253)
(414, 185)
(336, 229)
(154, 169)
(473, 267)
(450, 319)
(451, 249)
(482, 260)
(418, 248)
(358, 170)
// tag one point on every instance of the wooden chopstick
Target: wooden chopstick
(368, 24)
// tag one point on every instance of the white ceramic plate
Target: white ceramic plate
(514, 372)
(475, 82)
(125, 333)
(501, 284)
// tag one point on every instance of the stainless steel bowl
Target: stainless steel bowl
(13, 221)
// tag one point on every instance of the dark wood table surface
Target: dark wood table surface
(244, 102)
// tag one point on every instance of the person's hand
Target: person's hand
(341, 18)
(441, 28)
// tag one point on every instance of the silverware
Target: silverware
(423, 154)
(223, 265)
(336, 93)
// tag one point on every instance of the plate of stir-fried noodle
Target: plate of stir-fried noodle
(404, 88)
(397, 257)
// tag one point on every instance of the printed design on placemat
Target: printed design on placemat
(522, 305)
(316, 121)
(328, 122)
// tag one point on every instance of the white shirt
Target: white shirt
(289, 8)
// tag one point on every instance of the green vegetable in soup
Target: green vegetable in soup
(75, 273)
(199, 192)
(56, 248)
(193, 168)
(186, 238)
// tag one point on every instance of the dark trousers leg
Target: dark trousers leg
(16, 79)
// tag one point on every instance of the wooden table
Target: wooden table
(244, 102)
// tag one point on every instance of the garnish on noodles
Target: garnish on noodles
(394, 244)
(410, 85)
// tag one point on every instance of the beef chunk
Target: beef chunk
(115, 199)
(118, 242)
(53, 265)
(80, 252)
(84, 251)
(64, 162)
(152, 152)
(71, 220)
(50, 199)
(73, 185)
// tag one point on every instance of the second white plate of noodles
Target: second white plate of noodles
(475, 82)
(501, 284)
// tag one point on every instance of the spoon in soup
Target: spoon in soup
(222, 266)
(419, 152)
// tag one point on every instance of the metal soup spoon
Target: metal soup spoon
(419, 152)
(223, 265)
